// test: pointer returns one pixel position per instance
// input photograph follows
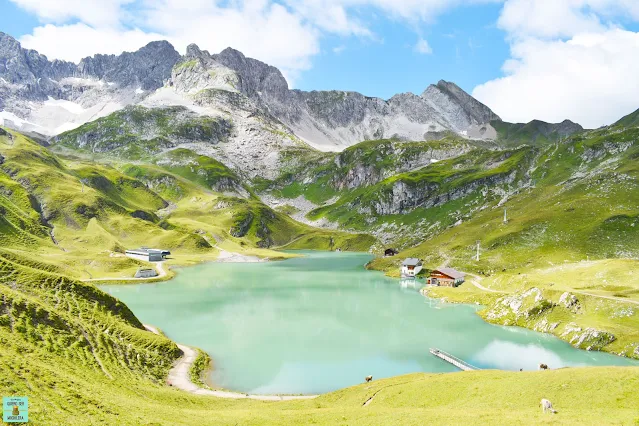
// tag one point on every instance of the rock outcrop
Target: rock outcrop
(147, 68)
(51, 97)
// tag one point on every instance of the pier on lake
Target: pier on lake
(461, 364)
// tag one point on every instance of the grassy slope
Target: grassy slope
(119, 133)
(534, 133)
(122, 386)
(476, 168)
(318, 176)
(585, 396)
(583, 205)
(574, 210)
(96, 211)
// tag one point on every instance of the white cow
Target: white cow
(546, 406)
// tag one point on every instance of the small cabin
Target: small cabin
(146, 273)
(446, 277)
(390, 252)
(411, 267)
(148, 255)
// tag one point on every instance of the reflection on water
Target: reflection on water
(506, 355)
(413, 284)
(323, 322)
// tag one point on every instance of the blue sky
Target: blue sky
(468, 49)
(526, 59)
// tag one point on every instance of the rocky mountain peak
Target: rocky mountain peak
(257, 79)
(28, 72)
(234, 84)
(147, 67)
(462, 109)
(193, 51)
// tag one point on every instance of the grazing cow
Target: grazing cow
(543, 366)
(546, 406)
(368, 378)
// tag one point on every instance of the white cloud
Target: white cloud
(98, 13)
(339, 49)
(284, 33)
(258, 28)
(545, 18)
(74, 42)
(563, 18)
(590, 78)
(423, 47)
(569, 59)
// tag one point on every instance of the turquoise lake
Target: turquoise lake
(322, 322)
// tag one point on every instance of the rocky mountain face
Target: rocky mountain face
(49, 97)
(333, 120)
(261, 119)
(67, 95)
(146, 68)
(32, 75)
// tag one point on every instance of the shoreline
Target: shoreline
(426, 291)
(169, 273)
(233, 257)
(179, 377)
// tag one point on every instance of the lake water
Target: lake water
(322, 322)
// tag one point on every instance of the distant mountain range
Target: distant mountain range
(51, 97)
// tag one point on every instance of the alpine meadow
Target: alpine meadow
(207, 158)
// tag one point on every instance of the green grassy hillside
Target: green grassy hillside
(136, 132)
(82, 215)
(581, 202)
(567, 234)
(534, 133)
(562, 263)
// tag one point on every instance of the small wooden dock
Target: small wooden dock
(461, 364)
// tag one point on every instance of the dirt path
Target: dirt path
(159, 267)
(616, 299)
(475, 280)
(179, 377)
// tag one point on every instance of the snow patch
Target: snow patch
(139, 91)
(77, 81)
(65, 127)
(72, 107)
(9, 116)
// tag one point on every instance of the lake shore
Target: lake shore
(179, 377)
(306, 289)
(232, 257)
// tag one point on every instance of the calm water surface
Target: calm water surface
(322, 322)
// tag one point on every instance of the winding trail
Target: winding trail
(159, 267)
(475, 281)
(616, 299)
(179, 377)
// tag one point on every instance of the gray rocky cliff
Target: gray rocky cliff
(146, 68)
(51, 97)
(335, 119)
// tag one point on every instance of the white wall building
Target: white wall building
(411, 267)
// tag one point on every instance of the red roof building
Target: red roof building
(447, 277)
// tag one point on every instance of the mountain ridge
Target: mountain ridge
(51, 97)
